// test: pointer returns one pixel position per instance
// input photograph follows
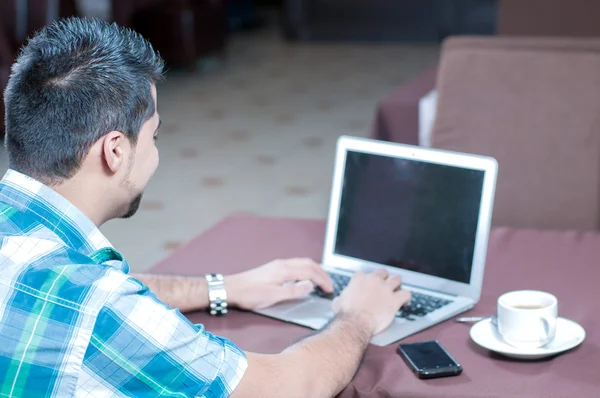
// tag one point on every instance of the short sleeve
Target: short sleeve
(141, 347)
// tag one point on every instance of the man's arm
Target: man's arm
(188, 293)
(319, 366)
(141, 347)
(257, 288)
(322, 365)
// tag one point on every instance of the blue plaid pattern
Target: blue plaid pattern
(73, 323)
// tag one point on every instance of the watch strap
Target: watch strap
(217, 295)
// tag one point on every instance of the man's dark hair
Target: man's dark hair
(75, 81)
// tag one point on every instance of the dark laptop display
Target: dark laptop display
(409, 214)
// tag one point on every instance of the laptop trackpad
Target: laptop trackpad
(315, 313)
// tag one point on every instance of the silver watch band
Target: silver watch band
(217, 295)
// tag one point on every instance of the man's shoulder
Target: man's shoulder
(15, 223)
(50, 271)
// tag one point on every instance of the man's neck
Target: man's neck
(90, 199)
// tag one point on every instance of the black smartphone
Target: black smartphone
(429, 360)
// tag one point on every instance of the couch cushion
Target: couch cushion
(427, 107)
(568, 18)
(534, 105)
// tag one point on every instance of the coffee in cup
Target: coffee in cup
(527, 318)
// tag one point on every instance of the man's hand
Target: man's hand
(319, 366)
(374, 297)
(323, 364)
(276, 281)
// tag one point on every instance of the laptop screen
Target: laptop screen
(409, 214)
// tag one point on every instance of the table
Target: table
(564, 263)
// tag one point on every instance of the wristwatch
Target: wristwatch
(217, 295)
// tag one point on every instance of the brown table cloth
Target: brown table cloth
(563, 263)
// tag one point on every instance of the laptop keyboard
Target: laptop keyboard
(339, 283)
(419, 305)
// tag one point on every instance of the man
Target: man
(81, 125)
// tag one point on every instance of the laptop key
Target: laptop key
(421, 305)
(321, 293)
(405, 315)
(339, 283)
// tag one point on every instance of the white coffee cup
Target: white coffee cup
(527, 318)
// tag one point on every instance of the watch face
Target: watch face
(217, 294)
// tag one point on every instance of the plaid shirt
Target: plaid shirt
(73, 323)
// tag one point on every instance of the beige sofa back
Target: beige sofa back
(534, 105)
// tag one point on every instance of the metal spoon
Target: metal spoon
(475, 319)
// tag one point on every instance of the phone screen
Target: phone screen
(427, 355)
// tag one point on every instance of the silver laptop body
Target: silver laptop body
(423, 214)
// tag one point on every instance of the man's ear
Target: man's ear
(114, 148)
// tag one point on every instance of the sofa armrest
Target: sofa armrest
(397, 115)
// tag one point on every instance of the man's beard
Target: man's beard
(133, 206)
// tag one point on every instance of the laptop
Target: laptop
(423, 214)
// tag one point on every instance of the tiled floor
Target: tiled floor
(256, 133)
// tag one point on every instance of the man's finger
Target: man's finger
(298, 261)
(394, 282)
(381, 272)
(335, 304)
(403, 297)
(309, 270)
(295, 290)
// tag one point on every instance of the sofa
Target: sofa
(385, 20)
(533, 104)
(565, 18)
(181, 30)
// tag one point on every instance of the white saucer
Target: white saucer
(569, 334)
